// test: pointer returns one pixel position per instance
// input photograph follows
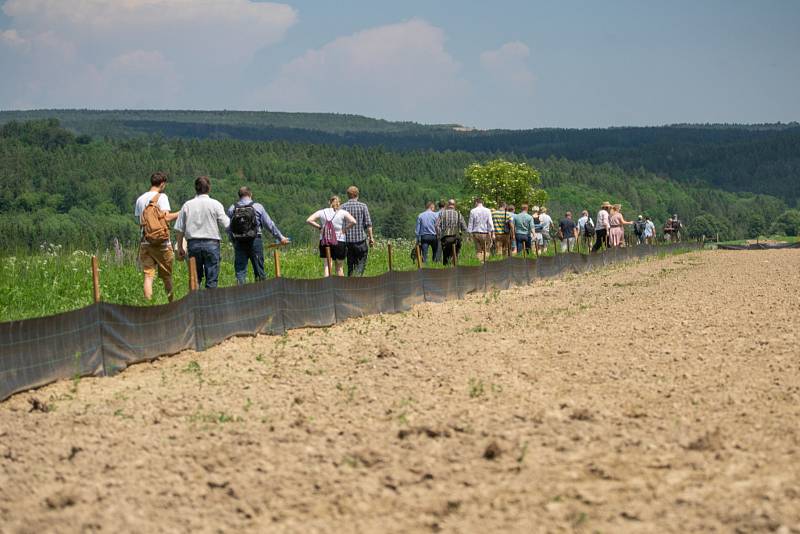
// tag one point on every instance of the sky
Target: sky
(501, 64)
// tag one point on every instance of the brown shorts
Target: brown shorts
(154, 257)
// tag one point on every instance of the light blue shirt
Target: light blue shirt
(426, 223)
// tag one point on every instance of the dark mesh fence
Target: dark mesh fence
(103, 339)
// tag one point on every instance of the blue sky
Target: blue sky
(507, 64)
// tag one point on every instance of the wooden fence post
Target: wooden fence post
(389, 249)
(96, 279)
(419, 257)
(455, 256)
(277, 257)
(192, 274)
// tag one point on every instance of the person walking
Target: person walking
(155, 248)
(523, 230)
(616, 236)
(358, 236)
(585, 229)
(602, 228)
(568, 233)
(437, 254)
(649, 231)
(332, 223)
(199, 221)
(501, 226)
(248, 219)
(547, 223)
(638, 229)
(449, 228)
(481, 228)
(426, 231)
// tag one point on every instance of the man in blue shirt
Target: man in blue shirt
(426, 231)
(248, 218)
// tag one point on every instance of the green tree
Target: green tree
(503, 181)
(710, 226)
(788, 223)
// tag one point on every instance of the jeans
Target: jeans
(357, 258)
(428, 241)
(206, 253)
(524, 243)
(568, 244)
(447, 248)
(252, 251)
(600, 239)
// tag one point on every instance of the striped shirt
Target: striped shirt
(450, 223)
(501, 220)
(360, 212)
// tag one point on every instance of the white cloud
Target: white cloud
(198, 48)
(508, 65)
(401, 67)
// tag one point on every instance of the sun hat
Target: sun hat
(605, 204)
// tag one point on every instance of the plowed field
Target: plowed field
(661, 396)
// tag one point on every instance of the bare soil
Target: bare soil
(661, 396)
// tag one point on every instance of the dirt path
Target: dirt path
(513, 411)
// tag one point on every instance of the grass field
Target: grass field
(54, 281)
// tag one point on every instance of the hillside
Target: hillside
(79, 192)
(762, 158)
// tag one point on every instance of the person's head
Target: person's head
(640, 217)
(352, 192)
(614, 208)
(524, 208)
(510, 208)
(451, 204)
(478, 201)
(542, 210)
(646, 217)
(617, 207)
(675, 216)
(158, 179)
(535, 209)
(605, 205)
(334, 202)
(568, 215)
(442, 204)
(584, 213)
(244, 192)
(202, 185)
(430, 206)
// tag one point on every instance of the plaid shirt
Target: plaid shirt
(360, 213)
(450, 223)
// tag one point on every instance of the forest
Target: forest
(759, 158)
(78, 191)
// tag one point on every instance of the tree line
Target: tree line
(76, 191)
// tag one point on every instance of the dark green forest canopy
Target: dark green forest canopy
(761, 158)
(79, 192)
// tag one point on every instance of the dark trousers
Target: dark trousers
(251, 250)
(426, 242)
(206, 253)
(447, 248)
(357, 258)
(600, 239)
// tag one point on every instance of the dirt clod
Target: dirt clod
(492, 451)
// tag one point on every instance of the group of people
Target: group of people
(346, 235)
(505, 232)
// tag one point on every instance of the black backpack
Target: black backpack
(588, 228)
(244, 223)
(638, 227)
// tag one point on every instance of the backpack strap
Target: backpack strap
(154, 200)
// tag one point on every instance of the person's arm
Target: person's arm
(222, 217)
(267, 222)
(368, 227)
(462, 226)
(180, 227)
(351, 221)
(312, 220)
(471, 224)
(418, 227)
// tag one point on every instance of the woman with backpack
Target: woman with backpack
(332, 224)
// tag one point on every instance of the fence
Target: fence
(103, 339)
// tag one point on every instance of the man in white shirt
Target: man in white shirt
(158, 256)
(603, 225)
(546, 221)
(200, 220)
(481, 227)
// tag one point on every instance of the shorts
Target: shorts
(338, 251)
(152, 257)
